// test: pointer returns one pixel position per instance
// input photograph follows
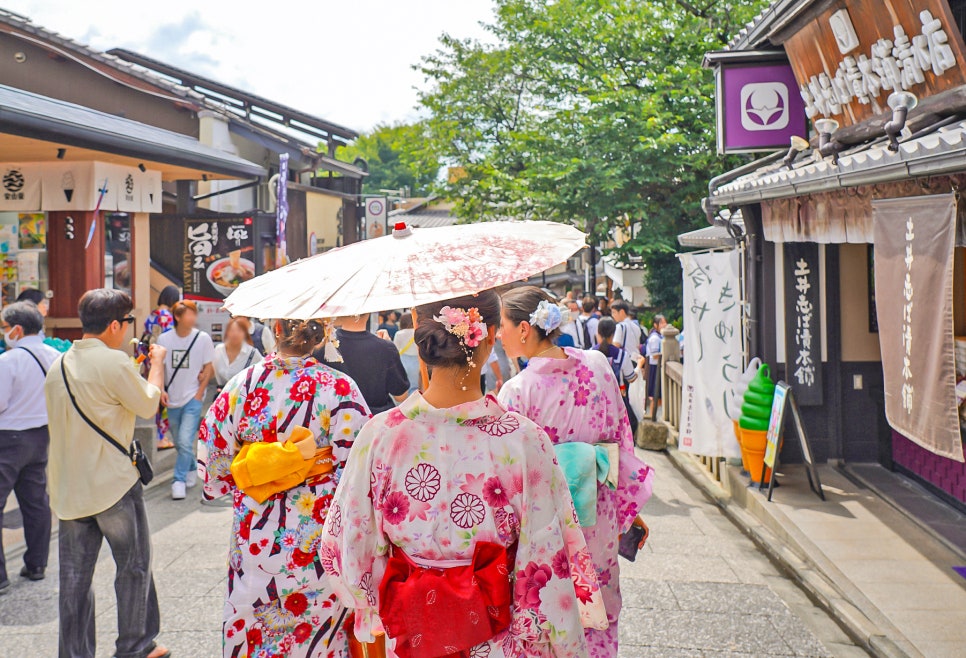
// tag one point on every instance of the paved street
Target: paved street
(699, 589)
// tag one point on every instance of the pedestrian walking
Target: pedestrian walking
(628, 331)
(94, 391)
(187, 371)
(575, 396)
(372, 362)
(388, 323)
(405, 341)
(289, 422)
(442, 497)
(158, 322)
(652, 351)
(586, 324)
(37, 298)
(621, 363)
(24, 438)
(237, 352)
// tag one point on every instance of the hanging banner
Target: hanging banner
(281, 217)
(218, 257)
(803, 322)
(914, 243)
(20, 187)
(712, 334)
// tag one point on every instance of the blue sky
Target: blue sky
(347, 61)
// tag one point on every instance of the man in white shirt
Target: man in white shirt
(653, 356)
(628, 336)
(187, 370)
(586, 325)
(24, 438)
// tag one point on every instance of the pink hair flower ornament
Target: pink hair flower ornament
(465, 324)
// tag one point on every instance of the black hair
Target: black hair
(25, 315)
(621, 305)
(301, 336)
(169, 296)
(31, 295)
(520, 303)
(406, 321)
(100, 307)
(588, 304)
(439, 348)
(606, 329)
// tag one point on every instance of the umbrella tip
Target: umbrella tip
(401, 230)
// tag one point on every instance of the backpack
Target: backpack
(258, 336)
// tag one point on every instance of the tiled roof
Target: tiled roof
(756, 31)
(427, 218)
(178, 93)
(942, 151)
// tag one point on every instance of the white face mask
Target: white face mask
(9, 339)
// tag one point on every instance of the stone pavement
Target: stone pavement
(700, 588)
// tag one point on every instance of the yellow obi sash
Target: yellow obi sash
(262, 470)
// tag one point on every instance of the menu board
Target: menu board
(218, 256)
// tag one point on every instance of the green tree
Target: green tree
(398, 155)
(595, 112)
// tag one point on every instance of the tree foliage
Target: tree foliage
(595, 112)
(398, 155)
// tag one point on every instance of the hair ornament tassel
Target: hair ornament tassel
(468, 326)
(331, 349)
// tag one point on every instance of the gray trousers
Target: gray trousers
(23, 461)
(125, 526)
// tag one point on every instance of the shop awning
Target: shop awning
(32, 127)
(940, 152)
(709, 237)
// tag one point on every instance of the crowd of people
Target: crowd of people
(385, 490)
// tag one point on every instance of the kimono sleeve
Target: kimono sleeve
(347, 416)
(353, 550)
(556, 592)
(218, 441)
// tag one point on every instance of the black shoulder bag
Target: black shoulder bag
(135, 454)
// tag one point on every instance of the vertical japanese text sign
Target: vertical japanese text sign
(712, 337)
(281, 218)
(803, 322)
(914, 243)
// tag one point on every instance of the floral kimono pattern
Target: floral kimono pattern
(578, 399)
(434, 482)
(277, 603)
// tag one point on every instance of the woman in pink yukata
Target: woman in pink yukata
(573, 395)
(448, 470)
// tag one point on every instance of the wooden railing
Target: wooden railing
(672, 385)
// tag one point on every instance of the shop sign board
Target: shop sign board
(914, 244)
(218, 256)
(65, 186)
(803, 321)
(759, 108)
(712, 332)
(855, 54)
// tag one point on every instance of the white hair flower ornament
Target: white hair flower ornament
(547, 316)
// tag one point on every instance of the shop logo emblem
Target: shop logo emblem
(764, 106)
(844, 31)
(129, 187)
(13, 184)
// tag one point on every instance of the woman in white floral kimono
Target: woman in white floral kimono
(278, 604)
(574, 396)
(448, 472)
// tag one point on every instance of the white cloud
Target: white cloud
(348, 62)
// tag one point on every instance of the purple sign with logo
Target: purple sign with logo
(759, 108)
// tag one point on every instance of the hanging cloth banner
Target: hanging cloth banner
(281, 207)
(712, 335)
(914, 242)
(20, 187)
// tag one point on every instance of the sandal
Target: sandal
(165, 445)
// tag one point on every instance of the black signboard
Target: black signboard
(784, 398)
(803, 321)
(218, 256)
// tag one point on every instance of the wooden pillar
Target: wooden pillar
(141, 266)
(72, 268)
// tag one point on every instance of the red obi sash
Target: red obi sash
(435, 612)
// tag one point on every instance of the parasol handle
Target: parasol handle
(423, 368)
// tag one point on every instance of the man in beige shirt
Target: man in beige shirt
(94, 489)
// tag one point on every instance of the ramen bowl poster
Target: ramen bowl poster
(218, 257)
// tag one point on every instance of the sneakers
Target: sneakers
(177, 491)
(192, 479)
(32, 574)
